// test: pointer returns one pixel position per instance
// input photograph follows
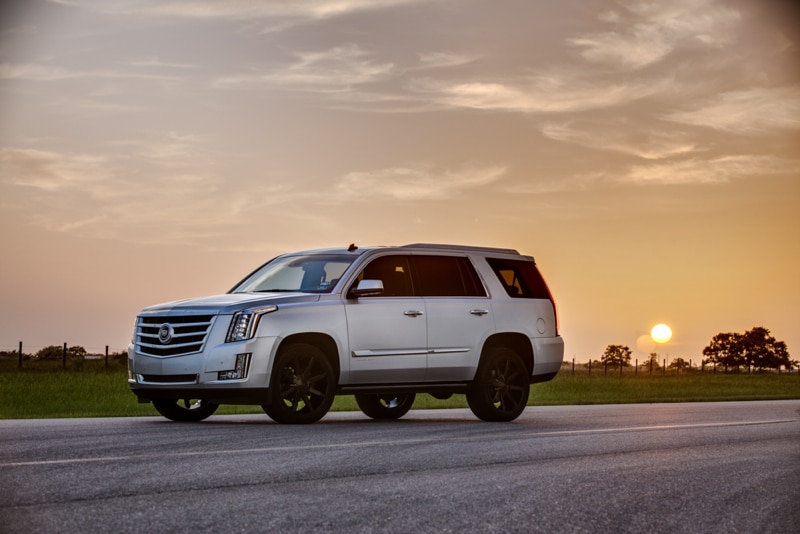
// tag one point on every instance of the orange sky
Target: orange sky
(645, 154)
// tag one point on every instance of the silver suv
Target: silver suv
(380, 323)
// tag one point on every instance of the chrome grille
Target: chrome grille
(188, 334)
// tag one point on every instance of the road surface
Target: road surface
(697, 467)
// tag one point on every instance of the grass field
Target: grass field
(89, 389)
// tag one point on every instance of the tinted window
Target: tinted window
(424, 276)
(445, 276)
(520, 278)
(394, 272)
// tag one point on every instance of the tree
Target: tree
(652, 362)
(755, 347)
(679, 364)
(54, 352)
(617, 355)
(724, 349)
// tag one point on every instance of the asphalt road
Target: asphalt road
(705, 467)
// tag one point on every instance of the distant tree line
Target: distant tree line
(755, 348)
(56, 352)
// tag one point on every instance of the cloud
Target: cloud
(554, 93)
(416, 183)
(106, 196)
(49, 171)
(234, 9)
(710, 171)
(756, 110)
(335, 69)
(635, 50)
(154, 61)
(621, 136)
(647, 32)
(46, 73)
(445, 59)
(173, 148)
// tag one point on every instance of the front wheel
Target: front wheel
(385, 406)
(185, 410)
(302, 386)
(501, 386)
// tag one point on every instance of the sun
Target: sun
(661, 333)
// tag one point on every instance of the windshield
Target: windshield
(307, 274)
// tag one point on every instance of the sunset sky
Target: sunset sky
(647, 154)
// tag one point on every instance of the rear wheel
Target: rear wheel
(385, 406)
(501, 386)
(303, 385)
(185, 410)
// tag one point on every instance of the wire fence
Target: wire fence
(594, 367)
(63, 353)
(677, 366)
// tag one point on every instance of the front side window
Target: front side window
(316, 273)
(394, 272)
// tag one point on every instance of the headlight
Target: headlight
(244, 323)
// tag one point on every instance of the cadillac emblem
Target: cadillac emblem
(165, 333)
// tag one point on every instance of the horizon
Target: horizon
(645, 155)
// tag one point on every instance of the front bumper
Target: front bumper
(204, 375)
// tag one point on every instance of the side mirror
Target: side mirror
(367, 288)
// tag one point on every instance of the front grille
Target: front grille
(188, 334)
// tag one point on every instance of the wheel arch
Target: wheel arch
(323, 342)
(519, 343)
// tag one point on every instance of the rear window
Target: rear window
(521, 279)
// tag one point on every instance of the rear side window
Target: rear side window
(521, 279)
(445, 276)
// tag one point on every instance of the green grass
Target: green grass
(89, 389)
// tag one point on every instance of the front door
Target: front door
(387, 333)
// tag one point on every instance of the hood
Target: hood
(229, 303)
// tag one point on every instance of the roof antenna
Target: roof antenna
(352, 247)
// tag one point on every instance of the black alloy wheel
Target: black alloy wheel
(501, 386)
(302, 386)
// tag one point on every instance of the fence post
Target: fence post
(665, 366)
(636, 372)
(106, 355)
(20, 354)
(64, 357)
(573, 365)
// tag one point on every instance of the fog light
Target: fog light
(240, 371)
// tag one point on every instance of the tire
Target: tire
(185, 410)
(385, 406)
(302, 386)
(501, 386)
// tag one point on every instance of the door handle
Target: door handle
(479, 312)
(412, 313)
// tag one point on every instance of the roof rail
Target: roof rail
(465, 248)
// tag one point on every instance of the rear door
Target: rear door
(459, 315)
